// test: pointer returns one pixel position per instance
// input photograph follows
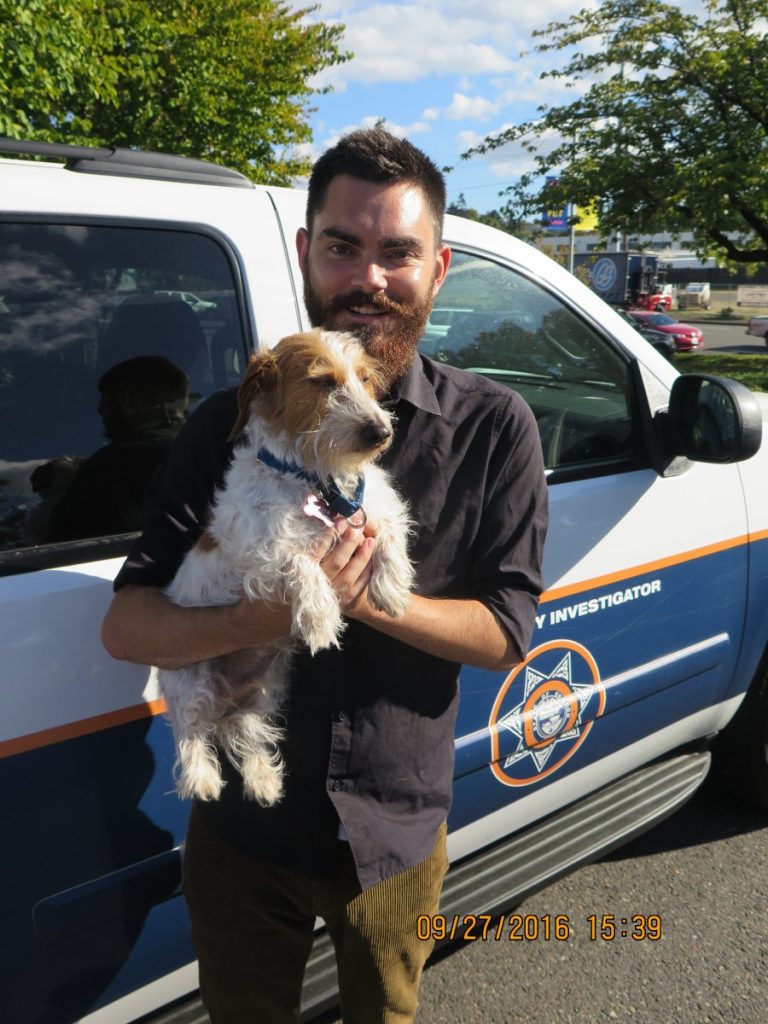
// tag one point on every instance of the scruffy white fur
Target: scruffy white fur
(309, 401)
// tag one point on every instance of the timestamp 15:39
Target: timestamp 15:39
(640, 927)
(536, 927)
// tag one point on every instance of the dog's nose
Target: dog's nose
(376, 434)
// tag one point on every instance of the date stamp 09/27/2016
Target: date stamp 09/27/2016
(536, 927)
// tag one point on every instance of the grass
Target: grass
(747, 369)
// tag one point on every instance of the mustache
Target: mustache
(379, 301)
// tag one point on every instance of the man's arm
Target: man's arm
(463, 630)
(144, 626)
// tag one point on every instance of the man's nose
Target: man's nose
(370, 276)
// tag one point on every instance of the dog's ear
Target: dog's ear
(260, 376)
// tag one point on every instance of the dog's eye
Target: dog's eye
(325, 382)
(365, 379)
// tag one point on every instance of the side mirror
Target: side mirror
(711, 419)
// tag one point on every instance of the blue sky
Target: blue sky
(445, 74)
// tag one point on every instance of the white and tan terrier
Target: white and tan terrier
(313, 428)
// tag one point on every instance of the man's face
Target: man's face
(372, 267)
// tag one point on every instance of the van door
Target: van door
(110, 333)
(645, 574)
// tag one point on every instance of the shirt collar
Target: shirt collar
(415, 388)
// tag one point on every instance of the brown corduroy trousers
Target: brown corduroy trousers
(253, 923)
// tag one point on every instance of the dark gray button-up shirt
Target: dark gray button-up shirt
(370, 728)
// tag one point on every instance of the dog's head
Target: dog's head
(316, 391)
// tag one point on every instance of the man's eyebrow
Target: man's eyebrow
(343, 236)
(398, 242)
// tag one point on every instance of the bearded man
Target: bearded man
(359, 838)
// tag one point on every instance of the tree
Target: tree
(224, 80)
(503, 220)
(671, 128)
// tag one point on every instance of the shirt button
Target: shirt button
(336, 785)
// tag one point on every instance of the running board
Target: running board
(501, 876)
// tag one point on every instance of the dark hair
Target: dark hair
(374, 154)
(145, 381)
(142, 393)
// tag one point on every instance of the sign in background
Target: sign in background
(556, 219)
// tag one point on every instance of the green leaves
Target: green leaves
(671, 125)
(224, 80)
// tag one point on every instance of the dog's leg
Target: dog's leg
(317, 619)
(251, 744)
(198, 773)
(392, 572)
(188, 697)
(249, 733)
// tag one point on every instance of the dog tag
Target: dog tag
(358, 519)
(316, 508)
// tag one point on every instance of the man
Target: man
(359, 838)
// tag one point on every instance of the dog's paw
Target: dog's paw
(322, 638)
(197, 770)
(388, 595)
(205, 785)
(319, 631)
(262, 780)
(392, 577)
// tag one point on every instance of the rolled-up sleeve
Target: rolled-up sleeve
(505, 568)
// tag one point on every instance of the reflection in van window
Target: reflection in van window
(109, 336)
(492, 320)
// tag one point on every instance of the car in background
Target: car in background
(686, 337)
(197, 304)
(660, 341)
(758, 326)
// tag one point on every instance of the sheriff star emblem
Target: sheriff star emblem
(561, 698)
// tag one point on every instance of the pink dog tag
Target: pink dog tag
(318, 509)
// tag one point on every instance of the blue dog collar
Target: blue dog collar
(337, 503)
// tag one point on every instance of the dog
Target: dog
(310, 428)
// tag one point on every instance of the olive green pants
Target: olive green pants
(253, 924)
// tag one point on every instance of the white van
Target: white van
(652, 627)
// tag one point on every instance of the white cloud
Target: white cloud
(405, 42)
(511, 160)
(431, 114)
(470, 108)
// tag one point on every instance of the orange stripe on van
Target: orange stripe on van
(556, 593)
(97, 723)
(70, 731)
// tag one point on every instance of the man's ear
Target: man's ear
(261, 376)
(442, 262)
(302, 248)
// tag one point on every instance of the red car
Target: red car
(686, 337)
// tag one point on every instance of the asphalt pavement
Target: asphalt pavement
(724, 335)
(703, 874)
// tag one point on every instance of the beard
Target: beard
(393, 343)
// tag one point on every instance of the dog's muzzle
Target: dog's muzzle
(375, 435)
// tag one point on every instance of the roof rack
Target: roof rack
(128, 163)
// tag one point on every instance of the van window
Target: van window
(492, 320)
(109, 337)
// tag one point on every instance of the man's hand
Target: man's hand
(345, 558)
(458, 630)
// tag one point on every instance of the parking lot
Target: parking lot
(702, 872)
